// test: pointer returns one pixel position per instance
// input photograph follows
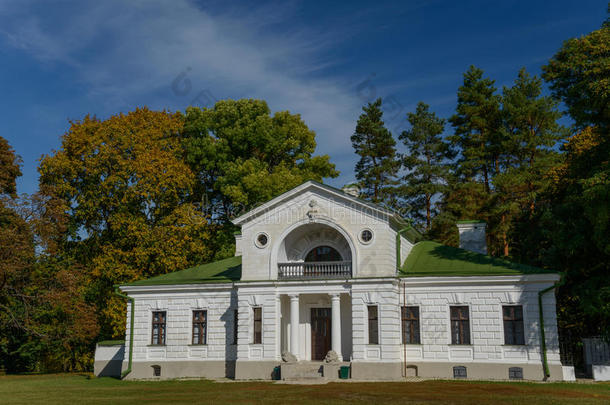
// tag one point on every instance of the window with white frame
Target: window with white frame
(158, 327)
(460, 325)
(410, 325)
(512, 316)
(373, 317)
(257, 313)
(200, 327)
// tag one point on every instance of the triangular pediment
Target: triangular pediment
(322, 190)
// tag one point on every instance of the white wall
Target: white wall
(377, 258)
(179, 306)
(267, 299)
(434, 296)
(487, 329)
(384, 294)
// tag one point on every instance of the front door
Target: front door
(320, 332)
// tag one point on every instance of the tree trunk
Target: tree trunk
(504, 237)
(428, 211)
(531, 186)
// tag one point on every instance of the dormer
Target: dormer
(315, 231)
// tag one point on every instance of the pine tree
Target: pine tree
(377, 166)
(530, 131)
(426, 162)
(477, 124)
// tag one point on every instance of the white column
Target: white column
(294, 325)
(336, 324)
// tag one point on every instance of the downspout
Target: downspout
(402, 332)
(545, 364)
(131, 320)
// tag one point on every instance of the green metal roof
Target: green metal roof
(222, 271)
(434, 259)
(413, 235)
(111, 343)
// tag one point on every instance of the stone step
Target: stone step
(310, 370)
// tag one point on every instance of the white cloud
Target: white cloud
(128, 54)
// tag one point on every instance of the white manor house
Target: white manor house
(324, 284)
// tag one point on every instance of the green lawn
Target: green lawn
(82, 389)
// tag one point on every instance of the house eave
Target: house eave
(268, 206)
(491, 280)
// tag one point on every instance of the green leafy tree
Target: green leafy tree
(579, 75)
(573, 226)
(45, 323)
(377, 167)
(10, 168)
(243, 155)
(426, 162)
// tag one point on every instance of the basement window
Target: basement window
(515, 373)
(156, 371)
(459, 372)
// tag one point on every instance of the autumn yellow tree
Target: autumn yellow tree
(125, 187)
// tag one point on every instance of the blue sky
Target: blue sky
(60, 60)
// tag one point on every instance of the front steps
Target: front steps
(310, 370)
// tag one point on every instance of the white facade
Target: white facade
(280, 281)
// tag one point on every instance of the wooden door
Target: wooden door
(320, 332)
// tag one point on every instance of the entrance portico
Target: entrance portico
(315, 323)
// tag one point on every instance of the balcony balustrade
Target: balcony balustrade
(314, 270)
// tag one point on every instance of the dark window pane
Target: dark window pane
(460, 326)
(373, 325)
(410, 325)
(515, 373)
(158, 328)
(514, 333)
(199, 327)
(235, 318)
(459, 372)
(323, 254)
(258, 327)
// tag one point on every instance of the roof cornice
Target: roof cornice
(308, 185)
(491, 280)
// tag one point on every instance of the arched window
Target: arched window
(323, 254)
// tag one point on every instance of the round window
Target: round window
(262, 240)
(366, 236)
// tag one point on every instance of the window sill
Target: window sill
(461, 344)
(197, 345)
(412, 344)
(156, 345)
(514, 345)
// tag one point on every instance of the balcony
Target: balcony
(314, 270)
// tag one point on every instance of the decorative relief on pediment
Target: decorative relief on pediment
(313, 209)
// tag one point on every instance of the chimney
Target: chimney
(472, 236)
(351, 189)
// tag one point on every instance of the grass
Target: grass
(83, 389)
